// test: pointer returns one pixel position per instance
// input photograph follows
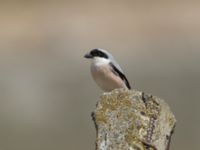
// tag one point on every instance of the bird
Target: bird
(105, 71)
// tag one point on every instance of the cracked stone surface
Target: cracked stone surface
(132, 120)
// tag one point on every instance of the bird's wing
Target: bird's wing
(114, 62)
(120, 74)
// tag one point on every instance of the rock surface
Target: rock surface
(132, 120)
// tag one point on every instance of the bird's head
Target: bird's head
(97, 53)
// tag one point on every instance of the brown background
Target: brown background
(46, 91)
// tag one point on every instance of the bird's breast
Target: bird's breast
(105, 78)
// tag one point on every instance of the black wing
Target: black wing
(121, 75)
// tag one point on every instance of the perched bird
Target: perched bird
(106, 72)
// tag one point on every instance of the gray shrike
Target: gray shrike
(106, 72)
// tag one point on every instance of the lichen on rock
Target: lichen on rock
(132, 120)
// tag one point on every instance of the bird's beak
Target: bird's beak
(88, 56)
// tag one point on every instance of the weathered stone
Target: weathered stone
(132, 120)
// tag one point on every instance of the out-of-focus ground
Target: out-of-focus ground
(46, 91)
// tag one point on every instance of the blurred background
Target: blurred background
(46, 90)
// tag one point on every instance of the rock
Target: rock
(132, 120)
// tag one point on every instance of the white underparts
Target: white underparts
(98, 61)
(103, 75)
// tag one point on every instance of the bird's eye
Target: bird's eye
(99, 54)
(92, 53)
(95, 53)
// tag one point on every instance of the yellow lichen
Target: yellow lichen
(110, 103)
(133, 141)
(100, 117)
